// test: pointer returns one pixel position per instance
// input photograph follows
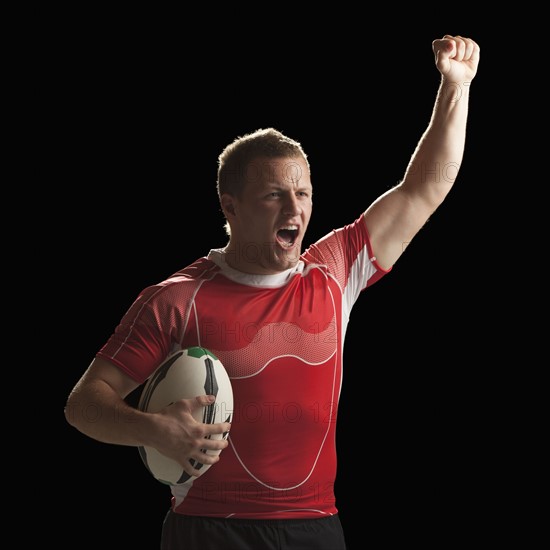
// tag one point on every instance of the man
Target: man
(276, 316)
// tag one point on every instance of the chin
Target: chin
(290, 257)
(277, 258)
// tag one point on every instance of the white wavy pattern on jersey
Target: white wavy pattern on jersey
(272, 487)
(313, 348)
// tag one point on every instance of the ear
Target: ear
(228, 205)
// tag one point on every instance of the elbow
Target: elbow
(70, 412)
(74, 411)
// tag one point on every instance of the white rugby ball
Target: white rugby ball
(184, 375)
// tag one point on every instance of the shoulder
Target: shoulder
(180, 284)
(339, 243)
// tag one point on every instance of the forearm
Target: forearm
(99, 412)
(397, 216)
(436, 161)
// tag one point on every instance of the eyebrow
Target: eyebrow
(296, 185)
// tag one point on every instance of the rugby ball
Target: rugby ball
(184, 375)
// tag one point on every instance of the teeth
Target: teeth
(290, 227)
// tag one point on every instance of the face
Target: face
(269, 221)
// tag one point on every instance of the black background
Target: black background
(143, 112)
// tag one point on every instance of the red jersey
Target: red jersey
(281, 339)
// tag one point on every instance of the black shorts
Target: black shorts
(181, 532)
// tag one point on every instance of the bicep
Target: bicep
(102, 371)
(392, 221)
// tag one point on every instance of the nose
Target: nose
(291, 206)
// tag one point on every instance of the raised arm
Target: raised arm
(397, 216)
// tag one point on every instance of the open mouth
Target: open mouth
(287, 236)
